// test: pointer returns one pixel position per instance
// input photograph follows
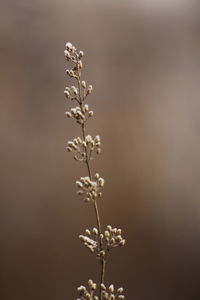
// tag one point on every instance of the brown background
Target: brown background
(142, 58)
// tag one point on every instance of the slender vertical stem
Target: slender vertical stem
(103, 271)
(87, 162)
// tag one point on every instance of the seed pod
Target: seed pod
(83, 84)
(91, 113)
(111, 288)
(68, 114)
(95, 231)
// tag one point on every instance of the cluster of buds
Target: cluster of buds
(89, 188)
(72, 92)
(69, 50)
(80, 114)
(71, 53)
(113, 237)
(83, 149)
(110, 293)
(87, 90)
(101, 243)
(107, 293)
(88, 293)
(90, 240)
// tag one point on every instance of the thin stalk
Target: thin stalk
(87, 162)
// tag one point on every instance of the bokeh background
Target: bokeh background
(142, 58)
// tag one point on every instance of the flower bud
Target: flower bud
(101, 182)
(91, 113)
(67, 54)
(111, 288)
(120, 290)
(67, 94)
(95, 231)
(96, 176)
(79, 184)
(81, 54)
(83, 84)
(68, 114)
(89, 90)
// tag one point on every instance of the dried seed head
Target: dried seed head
(81, 288)
(67, 54)
(80, 64)
(120, 290)
(92, 285)
(101, 182)
(69, 47)
(67, 94)
(90, 89)
(83, 84)
(69, 149)
(81, 54)
(86, 107)
(122, 243)
(107, 234)
(95, 231)
(88, 232)
(96, 176)
(111, 288)
(68, 114)
(91, 113)
(79, 184)
(103, 286)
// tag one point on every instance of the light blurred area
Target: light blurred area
(142, 57)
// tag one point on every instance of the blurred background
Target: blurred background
(142, 57)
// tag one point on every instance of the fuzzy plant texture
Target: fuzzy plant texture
(84, 149)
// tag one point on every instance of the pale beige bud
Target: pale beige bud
(90, 283)
(68, 114)
(67, 54)
(95, 231)
(91, 113)
(96, 176)
(80, 64)
(67, 94)
(81, 54)
(101, 182)
(122, 243)
(69, 46)
(111, 288)
(69, 149)
(86, 107)
(120, 290)
(103, 287)
(107, 234)
(109, 227)
(79, 184)
(79, 140)
(83, 84)
(90, 89)
(97, 139)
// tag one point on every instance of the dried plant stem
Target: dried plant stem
(98, 241)
(103, 261)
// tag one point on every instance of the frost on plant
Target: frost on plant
(84, 149)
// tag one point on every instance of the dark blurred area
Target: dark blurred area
(143, 59)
